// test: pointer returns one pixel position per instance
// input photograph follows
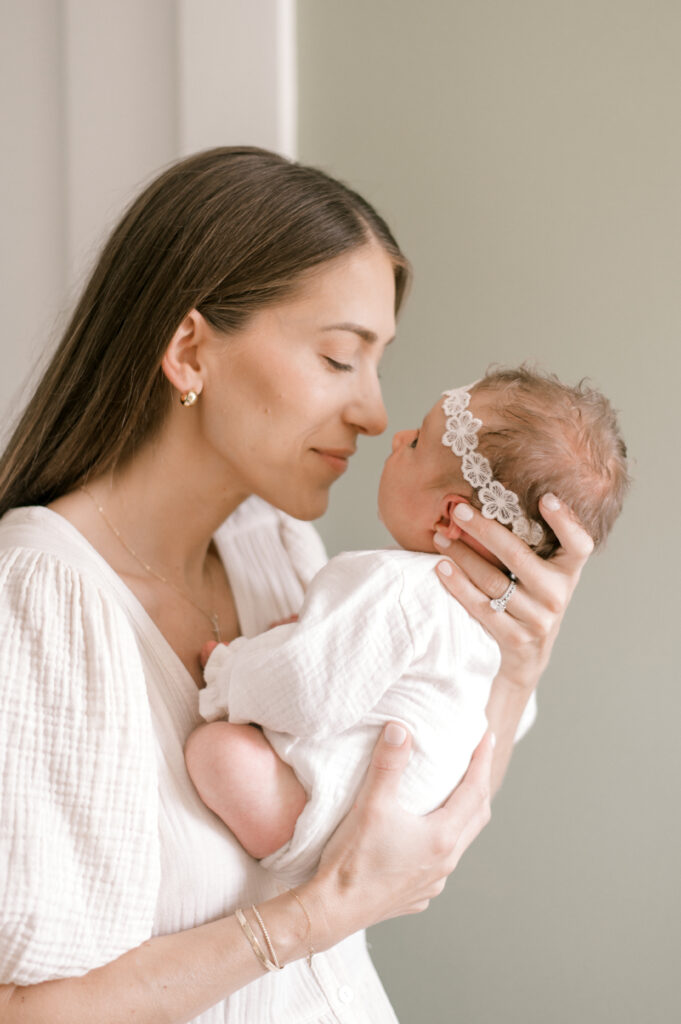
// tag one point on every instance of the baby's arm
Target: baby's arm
(321, 675)
(317, 682)
(240, 777)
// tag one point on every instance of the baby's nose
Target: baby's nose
(401, 438)
(398, 439)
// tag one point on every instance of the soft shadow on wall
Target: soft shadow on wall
(528, 156)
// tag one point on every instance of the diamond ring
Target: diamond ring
(499, 603)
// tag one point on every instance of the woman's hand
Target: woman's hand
(527, 629)
(382, 861)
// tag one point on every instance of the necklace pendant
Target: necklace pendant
(216, 627)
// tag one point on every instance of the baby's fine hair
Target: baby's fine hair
(559, 439)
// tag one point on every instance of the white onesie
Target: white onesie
(378, 639)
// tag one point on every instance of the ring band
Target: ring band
(498, 604)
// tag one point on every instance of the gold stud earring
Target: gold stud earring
(189, 398)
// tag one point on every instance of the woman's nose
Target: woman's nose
(368, 411)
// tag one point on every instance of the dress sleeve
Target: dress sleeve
(318, 676)
(303, 546)
(79, 860)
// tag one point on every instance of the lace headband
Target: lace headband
(461, 435)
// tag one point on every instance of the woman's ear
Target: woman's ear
(182, 360)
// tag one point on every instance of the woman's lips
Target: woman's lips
(337, 458)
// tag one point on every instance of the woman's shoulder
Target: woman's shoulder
(66, 641)
(50, 576)
(38, 529)
(63, 628)
(77, 768)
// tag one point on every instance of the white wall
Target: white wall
(96, 98)
(528, 157)
(32, 183)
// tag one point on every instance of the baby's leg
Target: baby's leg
(240, 777)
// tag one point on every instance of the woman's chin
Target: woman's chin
(305, 507)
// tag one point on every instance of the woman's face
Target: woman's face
(285, 398)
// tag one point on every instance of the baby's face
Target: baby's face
(415, 477)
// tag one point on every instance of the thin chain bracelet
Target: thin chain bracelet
(268, 940)
(311, 950)
(268, 964)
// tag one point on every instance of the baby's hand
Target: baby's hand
(283, 622)
(206, 651)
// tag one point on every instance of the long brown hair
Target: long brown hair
(225, 232)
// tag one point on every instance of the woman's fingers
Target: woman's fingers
(475, 582)
(576, 544)
(388, 761)
(474, 788)
(537, 574)
(468, 808)
(527, 628)
(509, 549)
(475, 590)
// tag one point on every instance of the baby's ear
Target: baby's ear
(447, 526)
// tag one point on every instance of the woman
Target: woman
(210, 388)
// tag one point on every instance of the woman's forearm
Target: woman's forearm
(380, 862)
(169, 979)
(505, 707)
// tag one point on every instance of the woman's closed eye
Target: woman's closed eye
(335, 365)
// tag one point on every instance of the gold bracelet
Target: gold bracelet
(275, 958)
(255, 945)
(311, 951)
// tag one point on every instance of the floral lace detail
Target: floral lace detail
(461, 435)
(498, 503)
(476, 469)
(528, 530)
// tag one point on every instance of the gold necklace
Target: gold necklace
(211, 616)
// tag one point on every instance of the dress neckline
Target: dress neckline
(95, 565)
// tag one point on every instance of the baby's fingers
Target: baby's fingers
(206, 651)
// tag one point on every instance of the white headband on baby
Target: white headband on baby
(461, 435)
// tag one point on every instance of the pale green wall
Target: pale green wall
(528, 157)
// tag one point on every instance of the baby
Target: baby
(379, 639)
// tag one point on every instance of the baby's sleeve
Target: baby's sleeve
(322, 674)
(79, 860)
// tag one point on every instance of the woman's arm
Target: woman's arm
(380, 863)
(526, 631)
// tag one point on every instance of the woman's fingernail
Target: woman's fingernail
(442, 542)
(493, 740)
(445, 568)
(550, 501)
(463, 511)
(394, 735)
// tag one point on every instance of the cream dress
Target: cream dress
(103, 840)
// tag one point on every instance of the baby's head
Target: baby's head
(513, 431)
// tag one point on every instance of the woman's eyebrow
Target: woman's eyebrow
(362, 332)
